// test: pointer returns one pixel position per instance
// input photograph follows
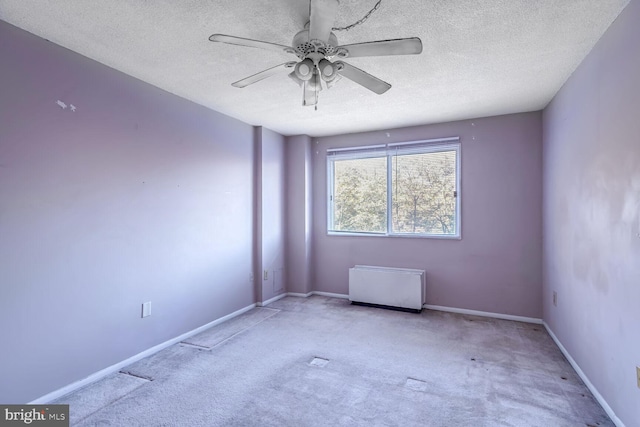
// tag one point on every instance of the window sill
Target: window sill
(409, 236)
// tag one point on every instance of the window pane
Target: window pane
(423, 192)
(360, 195)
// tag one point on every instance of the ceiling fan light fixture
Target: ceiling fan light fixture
(328, 71)
(304, 69)
(295, 78)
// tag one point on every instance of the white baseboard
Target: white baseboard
(118, 366)
(269, 301)
(585, 379)
(437, 308)
(330, 295)
(484, 314)
(299, 295)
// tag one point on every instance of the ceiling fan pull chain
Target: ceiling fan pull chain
(361, 21)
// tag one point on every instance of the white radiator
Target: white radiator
(392, 287)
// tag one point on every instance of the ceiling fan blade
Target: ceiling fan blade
(363, 78)
(239, 41)
(410, 46)
(322, 15)
(262, 75)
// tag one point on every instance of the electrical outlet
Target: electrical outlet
(146, 309)
(555, 298)
(638, 375)
(266, 275)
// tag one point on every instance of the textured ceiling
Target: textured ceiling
(480, 57)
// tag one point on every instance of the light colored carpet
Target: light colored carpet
(322, 362)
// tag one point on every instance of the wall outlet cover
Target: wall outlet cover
(146, 309)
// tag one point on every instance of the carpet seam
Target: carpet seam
(136, 375)
(241, 331)
(110, 403)
(276, 311)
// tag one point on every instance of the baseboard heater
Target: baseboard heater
(387, 287)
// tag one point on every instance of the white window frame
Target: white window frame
(388, 151)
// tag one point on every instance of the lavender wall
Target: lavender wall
(496, 266)
(272, 214)
(137, 196)
(592, 215)
(298, 218)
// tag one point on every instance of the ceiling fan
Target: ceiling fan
(317, 46)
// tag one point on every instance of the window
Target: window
(403, 189)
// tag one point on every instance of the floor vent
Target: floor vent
(416, 385)
(319, 362)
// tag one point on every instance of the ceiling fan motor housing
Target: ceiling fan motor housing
(303, 46)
